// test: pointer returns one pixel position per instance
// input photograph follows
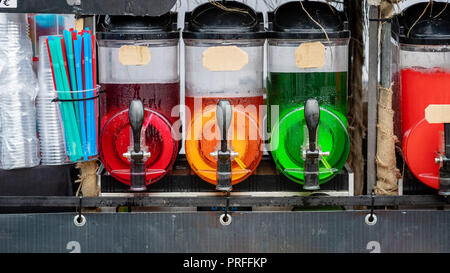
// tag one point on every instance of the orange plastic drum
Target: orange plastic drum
(244, 135)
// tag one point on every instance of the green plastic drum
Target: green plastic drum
(288, 138)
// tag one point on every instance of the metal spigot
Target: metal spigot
(312, 153)
(224, 154)
(444, 161)
(136, 155)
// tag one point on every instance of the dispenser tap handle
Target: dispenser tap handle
(223, 115)
(136, 116)
(312, 117)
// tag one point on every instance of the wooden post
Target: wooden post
(355, 14)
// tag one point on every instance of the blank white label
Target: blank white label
(8, 4)
(437, 113)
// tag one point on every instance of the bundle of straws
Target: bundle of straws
(72, 59)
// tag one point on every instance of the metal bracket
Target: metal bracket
(371, 218)
(318, 151)
(79, 220)
(225, 219)
(217, 201)
(145, 155)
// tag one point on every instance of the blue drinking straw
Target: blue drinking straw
(79, 73)
(91, 102)
(88, 83)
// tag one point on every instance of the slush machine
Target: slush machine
(423, 116)
(224, 91)
(307, 81)
(138, 72)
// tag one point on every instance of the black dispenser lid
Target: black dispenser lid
(126, 27)
(432, 29)
(236, 21)
(290, 21)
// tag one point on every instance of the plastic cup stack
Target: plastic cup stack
(19, 145)
(51, 134)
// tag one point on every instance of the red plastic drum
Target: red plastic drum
(159, 140)
(422, 141)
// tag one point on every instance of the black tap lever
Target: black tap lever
(312, 117)
(223, 116)
(136, 117)
(224, 154)
(137, 156)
